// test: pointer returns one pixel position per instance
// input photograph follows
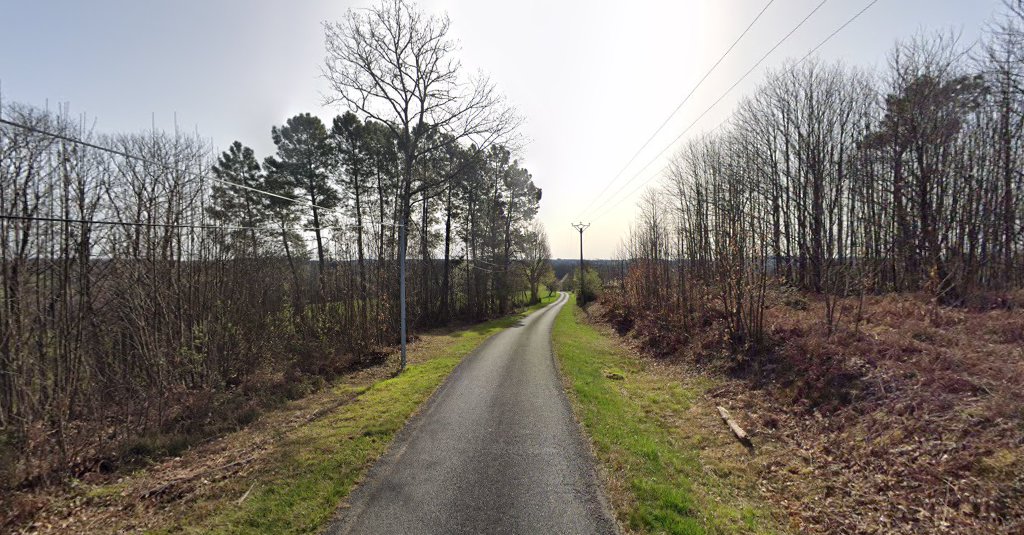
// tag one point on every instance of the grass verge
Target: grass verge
(666, 463)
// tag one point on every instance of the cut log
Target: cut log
(736, 429)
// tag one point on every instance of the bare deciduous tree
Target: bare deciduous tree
(396, 65)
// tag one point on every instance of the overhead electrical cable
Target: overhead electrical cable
(201, 176)
(713, 104)
(678, 107)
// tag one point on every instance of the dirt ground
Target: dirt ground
(907, 421)
(206, 476)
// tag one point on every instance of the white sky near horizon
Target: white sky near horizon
(593, 79)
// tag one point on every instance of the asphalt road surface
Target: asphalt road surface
(495, 450)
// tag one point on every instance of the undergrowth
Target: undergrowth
(906, 412)
(287, 473)
(654, 446)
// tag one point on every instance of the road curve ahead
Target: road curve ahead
(495, 450)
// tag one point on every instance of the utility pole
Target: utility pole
(401, 285)
(582, 298)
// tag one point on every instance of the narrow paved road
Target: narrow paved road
(496, 450)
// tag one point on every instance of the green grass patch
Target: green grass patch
(315, 466)
(656, 470)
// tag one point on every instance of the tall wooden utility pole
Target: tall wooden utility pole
(581, 299)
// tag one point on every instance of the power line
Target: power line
(790, 69)
(45, 219)
(657, 174)
(677, 108)
(129, 156)
(713, 104)
(121, 223)
(834, 32)
(402, 228)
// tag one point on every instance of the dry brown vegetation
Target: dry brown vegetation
(146, 499)
(906, 421)
(203, 488)
(154, 293)
(848, 248)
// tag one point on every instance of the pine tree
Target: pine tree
(304, 163)
(233, 199)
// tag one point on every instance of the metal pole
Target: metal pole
(401, 286)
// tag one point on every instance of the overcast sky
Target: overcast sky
(594, 79)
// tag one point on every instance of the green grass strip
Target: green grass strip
(631, 415)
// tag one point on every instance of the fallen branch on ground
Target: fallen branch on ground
(736, 429)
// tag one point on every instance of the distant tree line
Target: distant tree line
(840, 182)
(147, 287)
